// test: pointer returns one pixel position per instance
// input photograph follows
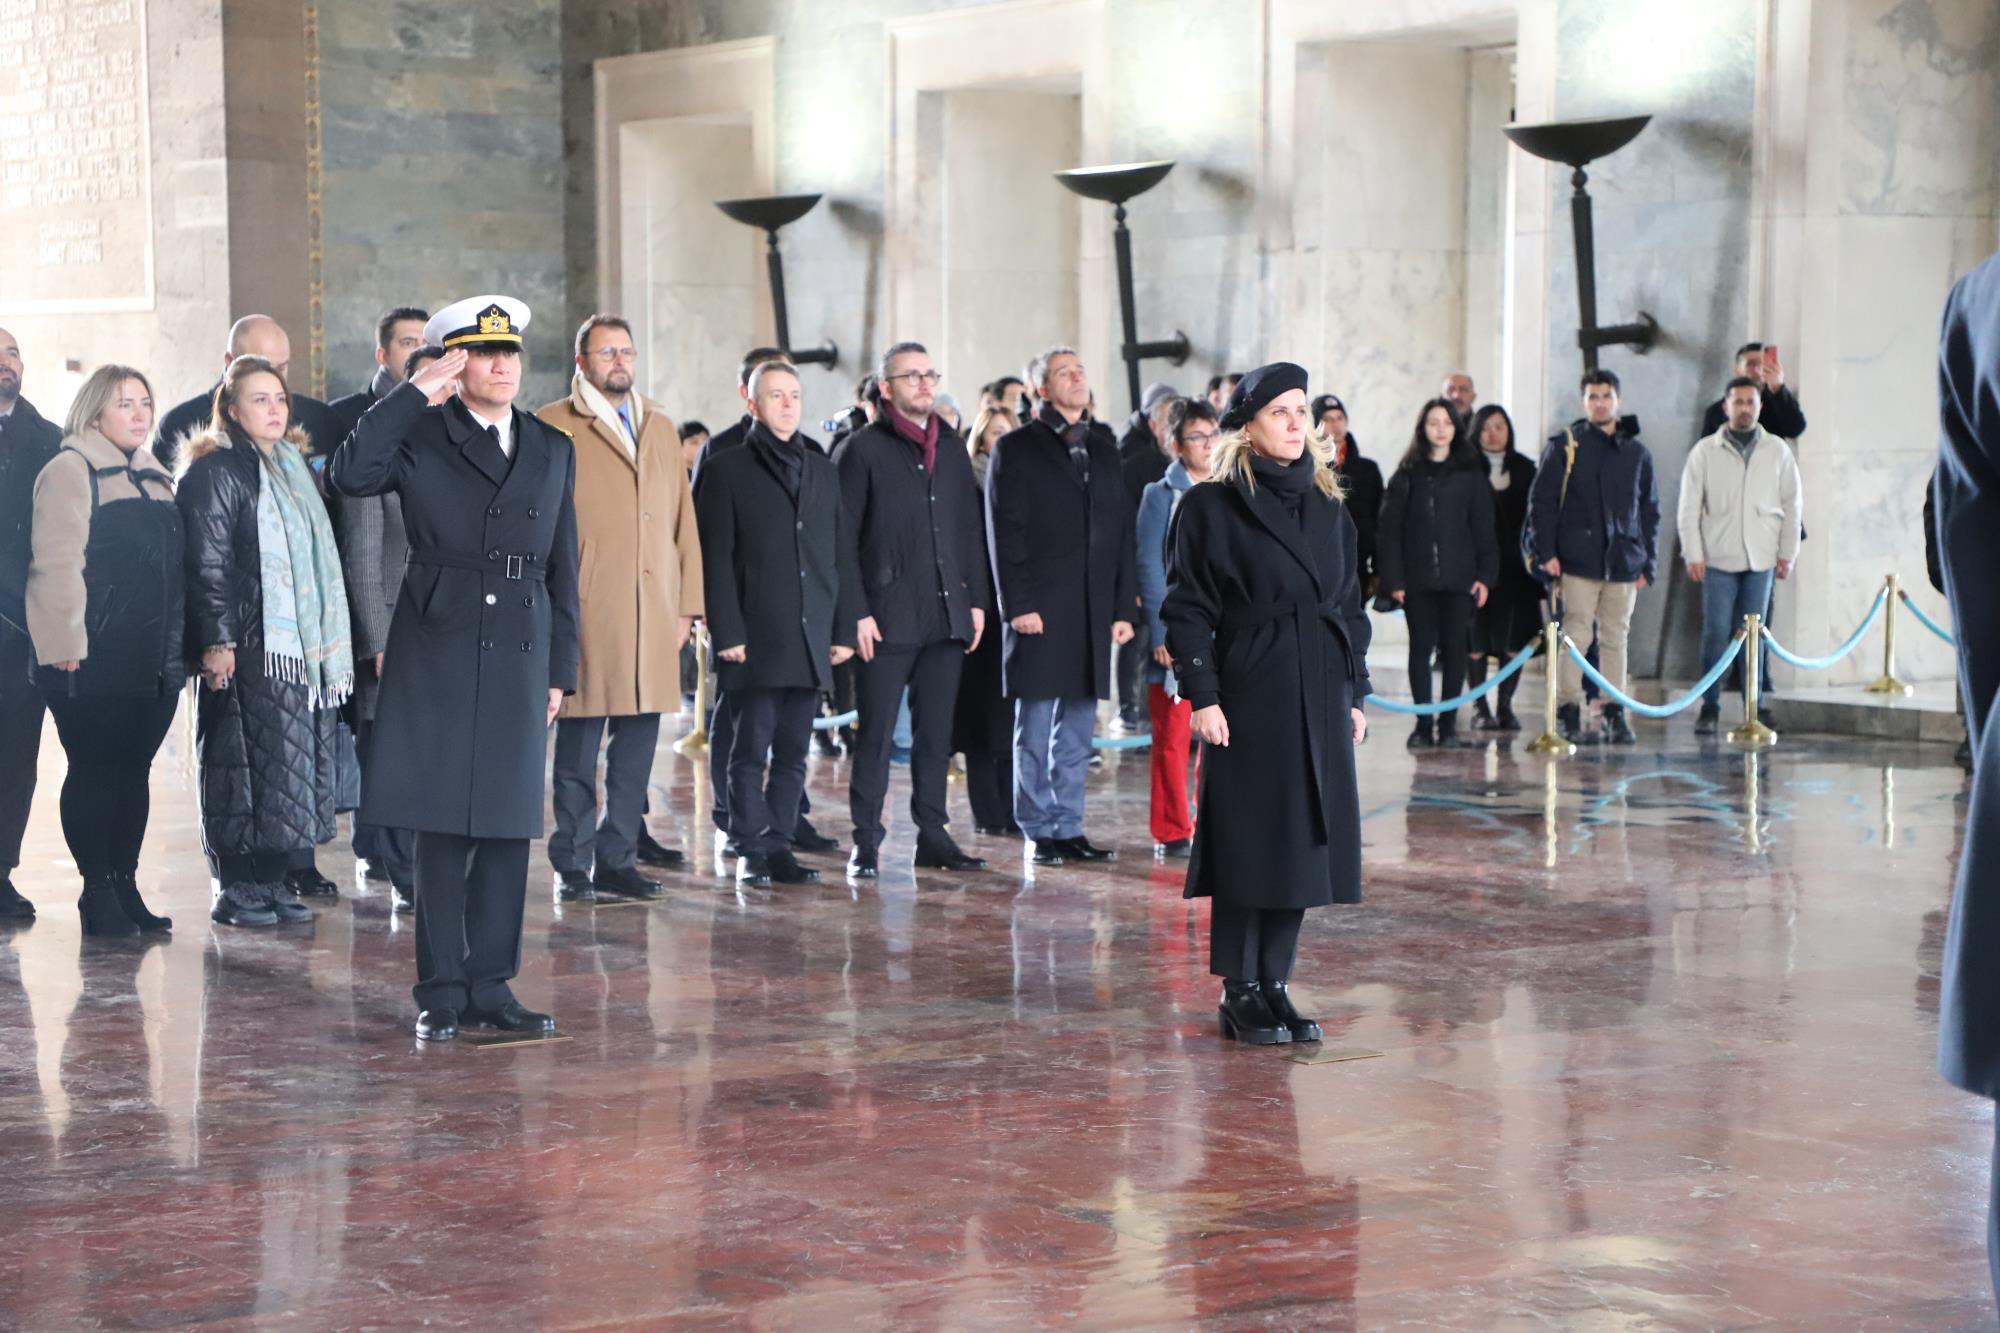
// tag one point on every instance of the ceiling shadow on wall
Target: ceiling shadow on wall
(1237, 193)
(864, 224)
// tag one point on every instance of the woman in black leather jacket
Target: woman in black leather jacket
(267, 612)
(1437, 555)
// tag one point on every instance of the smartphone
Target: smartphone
(1771, 354)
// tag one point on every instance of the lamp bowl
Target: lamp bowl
(1114, 185)
(769, 211)
(1576, 142)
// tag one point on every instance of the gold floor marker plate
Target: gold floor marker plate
(606, 905)
(483, 1041)
(1333, 1055)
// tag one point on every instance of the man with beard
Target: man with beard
(27, 443)
(635, 515)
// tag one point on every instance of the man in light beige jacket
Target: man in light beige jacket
(639, 592)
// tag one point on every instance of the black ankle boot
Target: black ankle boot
(1569, 724)
(1245, 1016)
(126, 886)
(102, 916)
(1482, 716)
(1278, 995)
(1618, 728)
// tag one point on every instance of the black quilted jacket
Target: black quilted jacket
(267, 756)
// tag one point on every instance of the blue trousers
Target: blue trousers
(1725, 599)
(1051, 761)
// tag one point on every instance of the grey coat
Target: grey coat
(374, 555)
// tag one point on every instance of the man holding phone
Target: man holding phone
(1781, 414)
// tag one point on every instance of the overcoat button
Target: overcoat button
(493, 554)
(534, 513)
(491, 599)
(527, 644)
(527, 601)
(486, 643)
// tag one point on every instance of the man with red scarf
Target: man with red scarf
(914, 506)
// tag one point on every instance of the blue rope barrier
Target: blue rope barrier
(1121, 742)
(1785, 654)
(1619, 696)
(1445, 706)
(1926, 621)
(837, 720)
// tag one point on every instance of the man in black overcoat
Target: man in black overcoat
(27, 443)
(1060, 525)
(252, 335)
(764, 509)
(482, 647)
(914, 504)
(1968, 526)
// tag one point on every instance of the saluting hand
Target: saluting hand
(439, 380)
(1211, 725)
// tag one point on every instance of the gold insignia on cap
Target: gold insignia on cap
(493, 320)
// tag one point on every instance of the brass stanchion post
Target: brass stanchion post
(1550, 742)
(1753, 734)
(1887, 682)
(696, 741)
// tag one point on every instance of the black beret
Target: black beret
(1254, 392)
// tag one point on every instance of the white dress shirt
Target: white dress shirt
(504, 427)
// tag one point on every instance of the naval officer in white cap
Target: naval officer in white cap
(481, 651)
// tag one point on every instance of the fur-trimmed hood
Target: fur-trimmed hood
(214, 437)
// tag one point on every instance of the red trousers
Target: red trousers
(1171, 817)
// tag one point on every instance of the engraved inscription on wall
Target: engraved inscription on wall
(75, 204)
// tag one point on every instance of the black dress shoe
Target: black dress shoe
(1506, 719)
(13, 907)
(1052, 852)
(998, 830)
(806, 838)
(512, 1016)
(863, 863)
(307, 882)
(374, 871)
(754, 870)
(575, 888)
(1177, 850)
(784, 868)
(437, 1025)
(1083, 849)
(653, 854)
(625, 882)
(947, 856)
(1244, 1015)
(405, 900)
(1279, 996)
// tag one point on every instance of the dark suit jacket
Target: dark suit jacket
(1065, 552)
(922, 544)
(27, 443)
(485, 625)
(778, 570)
(1968, 526)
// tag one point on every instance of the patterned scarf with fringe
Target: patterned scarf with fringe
(305, 596)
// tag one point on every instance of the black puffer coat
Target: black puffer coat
(1437, 529)
(266, 755)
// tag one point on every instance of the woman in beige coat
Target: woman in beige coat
(638, 592)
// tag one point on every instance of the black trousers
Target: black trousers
(1441, 623)
(931, 673)
(20, 748)
(1130, 660)
(989, 787)
(721, 735)
(107, 795)
(581, 840)
(470, 896)
(770, 732)
(395, 848)
(1476, 675)
(1253, 943)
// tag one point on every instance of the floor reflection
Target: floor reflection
(1653, 1027)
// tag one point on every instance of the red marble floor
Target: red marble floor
(1648, 1035)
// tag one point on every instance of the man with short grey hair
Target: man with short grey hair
(910, 493)
(1458, 390)
(1065, 562)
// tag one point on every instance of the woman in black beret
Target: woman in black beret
(1270, 646)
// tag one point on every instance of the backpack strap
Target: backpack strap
(1569, 463)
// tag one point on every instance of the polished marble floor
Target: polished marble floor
(1641, 1041)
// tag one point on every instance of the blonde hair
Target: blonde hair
(96, 395)
(986, 417)
(1233, 455)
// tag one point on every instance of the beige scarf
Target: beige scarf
(600, 407)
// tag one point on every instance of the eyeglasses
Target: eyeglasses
(920, 379)
(610, 354)
(1200, 437)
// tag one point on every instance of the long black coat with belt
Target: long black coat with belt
(1968, 526)
(485, 625)
(267, 753)
(778, 571)
(1064, 551)
(918, 534)
(1264, 617)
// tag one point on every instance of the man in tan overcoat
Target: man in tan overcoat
(639, 591)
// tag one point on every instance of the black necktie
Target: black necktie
(1077, 437)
